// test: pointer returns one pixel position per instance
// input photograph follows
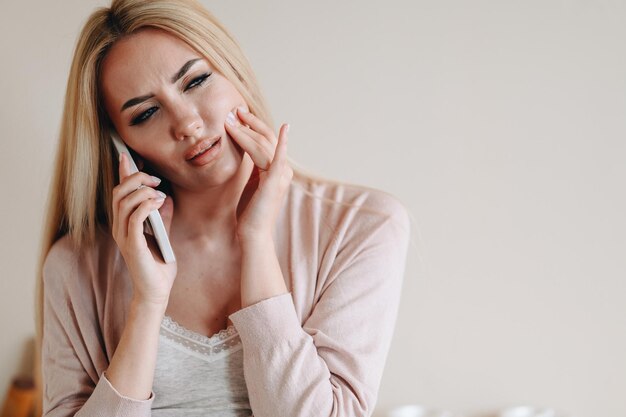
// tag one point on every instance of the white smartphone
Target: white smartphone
(155, 222)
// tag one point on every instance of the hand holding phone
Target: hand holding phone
(154, 218)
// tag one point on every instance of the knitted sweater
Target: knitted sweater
(318, 350)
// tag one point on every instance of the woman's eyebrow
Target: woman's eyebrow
(182, 71)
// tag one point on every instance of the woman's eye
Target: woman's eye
(143, 116)
(197, 81)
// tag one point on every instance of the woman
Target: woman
(284, 293)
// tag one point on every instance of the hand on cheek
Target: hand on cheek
(269, 155)
(252, 135)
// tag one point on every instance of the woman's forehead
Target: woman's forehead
(140, 61)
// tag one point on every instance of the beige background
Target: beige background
(501, 124)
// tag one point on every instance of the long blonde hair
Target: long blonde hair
(79, 201)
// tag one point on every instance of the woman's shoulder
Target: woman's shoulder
(340, 198)
(62, 252)
(69, 258)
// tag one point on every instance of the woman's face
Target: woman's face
(164, 100)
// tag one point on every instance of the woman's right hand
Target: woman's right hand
(133, 200)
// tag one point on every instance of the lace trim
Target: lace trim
(223, 343)
(215, 339)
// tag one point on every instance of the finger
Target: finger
(279, 163)
(123, 172)
(267, 143)
(130, 183)
(256, 124)
(260, 155)
(124, 166)
(132, 201)
(280, 156)
(136, 219)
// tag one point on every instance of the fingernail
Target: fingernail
(230, 119)
(161, 194)
(242, 109)
(120, 157)
(287, 128)
(155, 179)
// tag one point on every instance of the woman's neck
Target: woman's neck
(210, 218)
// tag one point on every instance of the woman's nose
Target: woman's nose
(187, 124)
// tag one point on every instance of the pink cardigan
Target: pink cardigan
(319, 350)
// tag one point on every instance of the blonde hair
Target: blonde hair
(81, 187)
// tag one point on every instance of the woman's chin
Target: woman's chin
(227, 169)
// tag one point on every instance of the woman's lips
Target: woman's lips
(208, 155)
(199, 147)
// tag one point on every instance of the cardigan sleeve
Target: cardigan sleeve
(72, 346)
(333, 363)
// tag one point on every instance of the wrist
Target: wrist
(147, 307)
(256, 241)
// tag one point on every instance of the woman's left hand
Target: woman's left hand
(263, 195)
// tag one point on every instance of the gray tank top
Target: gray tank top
(197, 375)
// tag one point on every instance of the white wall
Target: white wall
(499, 123)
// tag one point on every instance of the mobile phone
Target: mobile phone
(155, 222)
